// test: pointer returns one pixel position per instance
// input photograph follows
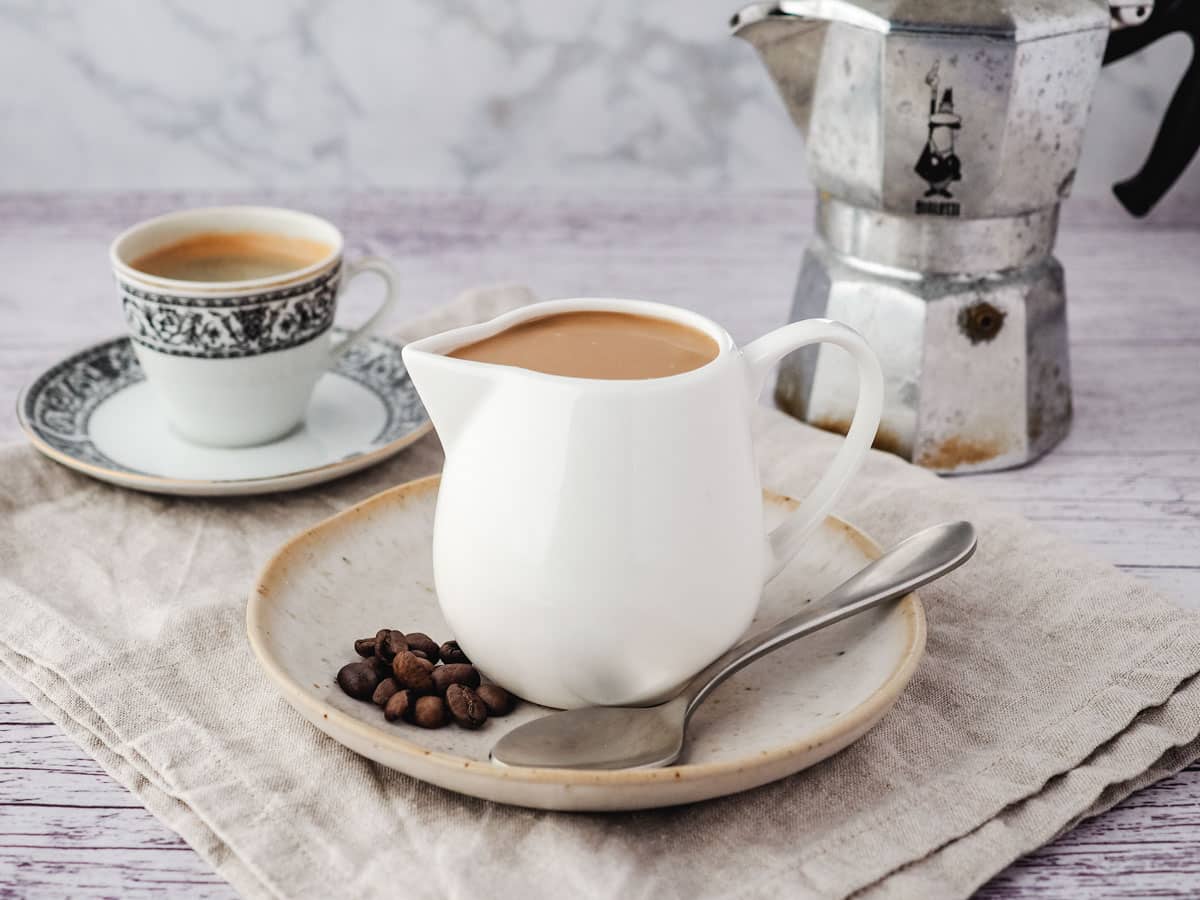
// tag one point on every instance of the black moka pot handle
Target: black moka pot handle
(1179, 136)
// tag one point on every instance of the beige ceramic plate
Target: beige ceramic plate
(369, 567)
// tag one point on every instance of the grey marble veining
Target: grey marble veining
(448, 93)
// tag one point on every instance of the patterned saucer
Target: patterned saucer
(94, 412)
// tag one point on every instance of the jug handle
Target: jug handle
(761, 357)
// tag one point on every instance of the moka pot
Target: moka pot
(942, 137)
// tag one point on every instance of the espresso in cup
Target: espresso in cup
(597, 345)
(231, 256)
(231, 310)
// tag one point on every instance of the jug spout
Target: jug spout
(789, 35)
(451, 389)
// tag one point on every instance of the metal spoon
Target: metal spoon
(642, 737)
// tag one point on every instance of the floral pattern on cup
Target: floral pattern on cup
(223, 328)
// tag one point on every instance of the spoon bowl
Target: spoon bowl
(599, 737)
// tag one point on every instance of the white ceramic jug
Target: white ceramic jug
(600, 541)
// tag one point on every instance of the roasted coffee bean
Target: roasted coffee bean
(400, 706)
(412, 672)
(423, 642)
(465, 706)
(358, 679)
(498, 701)
(429, 712)
(455, 673)
(383, 693)
(452, 653)
(365, 646)
(388, 643)
(419, 654)
(382, 669)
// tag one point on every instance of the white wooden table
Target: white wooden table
(1125, 483)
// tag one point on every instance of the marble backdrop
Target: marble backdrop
(333, 94)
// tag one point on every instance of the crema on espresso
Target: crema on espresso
(231, 256)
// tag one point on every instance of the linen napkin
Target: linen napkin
(1052, 687)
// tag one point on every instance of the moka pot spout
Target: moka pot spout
(789, 36)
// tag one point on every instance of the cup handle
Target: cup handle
(761, 356)
(391, 283)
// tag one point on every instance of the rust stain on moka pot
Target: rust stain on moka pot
(947, 456)
(956, 452)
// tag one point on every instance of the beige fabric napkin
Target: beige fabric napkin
(1052, 687)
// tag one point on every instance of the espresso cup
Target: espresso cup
(234, 362)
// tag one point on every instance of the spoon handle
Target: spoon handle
(915, 561)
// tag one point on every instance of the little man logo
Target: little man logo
(938, 164)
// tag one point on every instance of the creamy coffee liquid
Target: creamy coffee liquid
(231, 256)
(597, 345)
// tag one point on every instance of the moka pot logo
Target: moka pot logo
(938, 165)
